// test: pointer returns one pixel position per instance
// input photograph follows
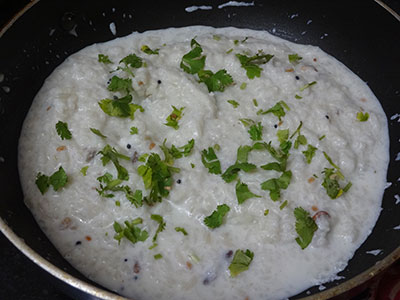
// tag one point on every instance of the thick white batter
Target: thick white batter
(79, 221)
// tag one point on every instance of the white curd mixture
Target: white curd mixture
(203, 163)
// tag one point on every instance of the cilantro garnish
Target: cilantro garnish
(97, 132)
(331, 180)
(120, 107)
(157, 176)
(177, 152)
(255, 102)
(57, 180)
(307, 86)
(84, 170)
(362, 117)
(251, 64)
(174, 117)
(118, 84)
(273, 166)
(246, 122)
(298, 97)
(215, 82)
(63, 131)
(130, 231)
(107, 184)
(146, 49)
(305, 227)
(133, 61)
(243, 86)
(266, 212)
(158, 256)
(181, 229)
(241, 163)
(283, 135)
(111, 154)
(301, 139)
(283, 205)
(240, 262)
(215, 219)
(210, 161)
(309, 153)
(278, 110)
(294, 58)
(216, 37)
(274, 185)
(243, 193)
(234, 103)
(193, 61)
(134, 130)
(255, 132)
(104, 59)
(161, 225)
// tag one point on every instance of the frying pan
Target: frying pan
(361, 34)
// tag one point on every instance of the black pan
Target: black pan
(361, 34)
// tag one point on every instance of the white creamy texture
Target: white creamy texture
(279, 268)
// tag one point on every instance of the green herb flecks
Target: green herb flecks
(161, 225)
(104, 59)
(362, 117)
(181, 229)
(307, 86)
(193, 61)
(294, 58)
(63, 131)
(252, 64)
(278, 110)
(255, 132)
(243, 193)
(240, 262)
(309, 153)
(131, 231)
(216, 218)
(215, 82)
(118, 84)
(274, 185)
(120, 107)
(174, 117)
(210, 161)
(134, 130)
(234, 103)
(57, 180)
(305, 227)
(146, 49)
(98, 133)
(111, 154)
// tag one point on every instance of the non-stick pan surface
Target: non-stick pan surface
(361, 34)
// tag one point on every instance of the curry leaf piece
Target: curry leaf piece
(216, 218)
(63, 131)
(305, 227)
(252, 64)
(193, 61)
(243, 193)
(174, 117)
(240, 262)
(215, 82)
(210, 161)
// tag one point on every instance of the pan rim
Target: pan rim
(103, 294)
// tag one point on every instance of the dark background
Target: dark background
(19, 277)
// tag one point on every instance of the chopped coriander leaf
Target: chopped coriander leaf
(215, 219)
(305, 227)
(331, 183)
(136, 198)
(246, 122)
(142, 158)
(362, 117)
(307, 86)
(283, 135)
(42, 182)
(133, 61)
(321, 138)
(298, 97)
(192, 165)
(255, 102)
(175, 152)
(153, 246)
(146, 49)
(117, 203)
(266, 212)
(283, 205)
(157, 176)
(111, 154)
(294, 58)
(120, 107)
(174, 117)
(309, 153)
(273, 166)
(243, 153)
(181, 229)
(330, 161)
(234, 103)
(158, 256)
(347, 187)
(131, 232)
(278, 110)
(134, 130)
(84, 170)
(297, 131)
(118, 84)
(229, 51)
(285, 146)
(59, 179)
(63, 131)
(251, 64)
(97, 132)
(274, 185)
(108, 184)
(215, 82)
(210, 161)
(240, 262)
(243, 86)
(104, 59)
(193, 61)
(236, 42)
(217, 147)
(300, 140)
(243, 193)
(232, 172)
(161, 225)
(255, 132)
(216, 37)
